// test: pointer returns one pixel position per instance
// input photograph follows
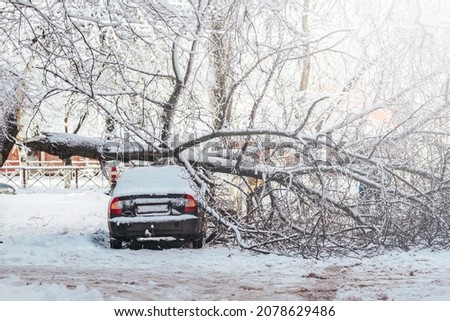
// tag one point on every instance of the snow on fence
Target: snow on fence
(54, 176)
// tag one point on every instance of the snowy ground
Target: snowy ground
(54, 247)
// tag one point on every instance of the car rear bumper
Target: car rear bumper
(179, 226)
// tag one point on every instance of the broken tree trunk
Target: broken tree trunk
(66, 145)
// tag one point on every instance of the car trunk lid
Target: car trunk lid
(154, 205)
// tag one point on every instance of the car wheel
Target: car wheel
(198, 242)
(115, 244)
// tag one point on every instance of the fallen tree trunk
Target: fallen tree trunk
(307, 208)
(66, 145)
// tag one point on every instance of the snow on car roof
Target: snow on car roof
(154, 180)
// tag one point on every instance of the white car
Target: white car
(6, 189)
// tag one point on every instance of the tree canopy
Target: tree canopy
(311, 127)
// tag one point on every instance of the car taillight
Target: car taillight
(115, 209)
(191, 205)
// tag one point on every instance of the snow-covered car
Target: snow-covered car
(6, 189)
(155, 202)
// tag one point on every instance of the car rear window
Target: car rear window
(154, 180)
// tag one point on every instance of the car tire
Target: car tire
(115, 244)
(198, 242)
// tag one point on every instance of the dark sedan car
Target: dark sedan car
(155, 202)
